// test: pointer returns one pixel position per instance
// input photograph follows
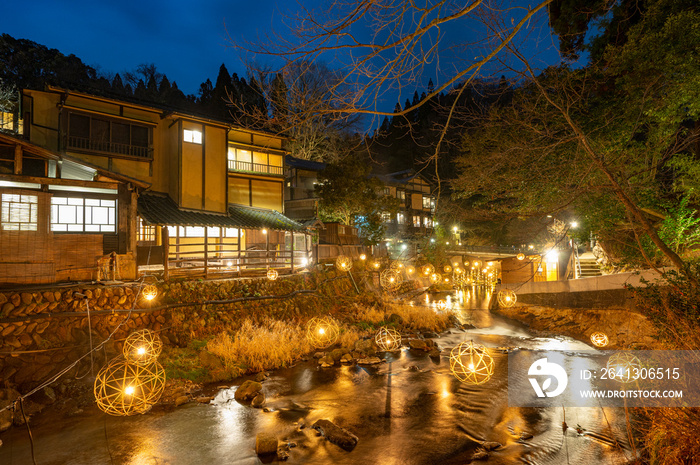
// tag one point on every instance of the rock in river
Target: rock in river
(265, 444)
(247, 391)
(335, 434)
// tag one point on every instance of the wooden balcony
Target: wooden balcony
(234, 165)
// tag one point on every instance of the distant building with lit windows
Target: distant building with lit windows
(416, 205)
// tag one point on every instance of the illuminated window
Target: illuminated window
(146, 232)
(194, 137)
(19, 212)
(401, 195)
(426, 202)
(400, 218)
(416, 221)
(387, 191)
(427, 222)
(386, 217)
(75, 214)
(9, 122)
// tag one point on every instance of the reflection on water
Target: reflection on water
(409, 410)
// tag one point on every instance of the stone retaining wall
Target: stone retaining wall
(44, 330)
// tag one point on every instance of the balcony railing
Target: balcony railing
(235, 165)
(83, 143)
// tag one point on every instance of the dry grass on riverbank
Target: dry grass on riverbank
(671, 436)
(254, 348)
(414, 316)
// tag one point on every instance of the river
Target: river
(407, 411)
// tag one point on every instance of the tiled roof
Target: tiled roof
(258, 218)
(157, 208)
(304, 164)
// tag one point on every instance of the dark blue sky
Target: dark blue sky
(187, 40)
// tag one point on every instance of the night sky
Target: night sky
(188, 41)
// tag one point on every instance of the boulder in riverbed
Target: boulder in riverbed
(247, 391)
(265, 444)
(335, 434)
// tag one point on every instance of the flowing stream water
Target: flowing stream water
(407, 411)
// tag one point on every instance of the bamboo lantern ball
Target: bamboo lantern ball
(123, 388)
(471, 363)
(441, 305)
(388, 339)
(447, 268)
(410, 270)
(322, 332)
(599, 339)
(435, 278)
(623, 365)
(390, 280)
(142, 347)
(272, 274)
(396, 265)
(507, 298)
(428, 269)
(149, 292)
(363, 256)
(343, 263)
(521, 256)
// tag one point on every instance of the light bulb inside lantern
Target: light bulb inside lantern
(321, 331)
(363, 257)
(229, 263)
(471, 367)
(141, 350)
(264, 231)
(129, 390)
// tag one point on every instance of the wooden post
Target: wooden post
(292, 252)
(239, 252)
(206, 252)
(267, 249)
(18, 159)
(165, 238)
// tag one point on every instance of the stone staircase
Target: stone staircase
(589, 267)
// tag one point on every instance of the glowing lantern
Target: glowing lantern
(410, 270)
(599, 339)
(122, 388)
(142, 347)
(458, 270)
(623, 365)
(471, 363)
(272, 274)
(343, 263)
(507, 298)
(396, 266)
(363, 256)
(447, 268)
(390, 280)
(521, 256)
(441, 305)
(149, 292)
(388, 339)
(446, 280)
(376, 264)
(435, 278)
(455, 264)
(428, 269)
(322, 332)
